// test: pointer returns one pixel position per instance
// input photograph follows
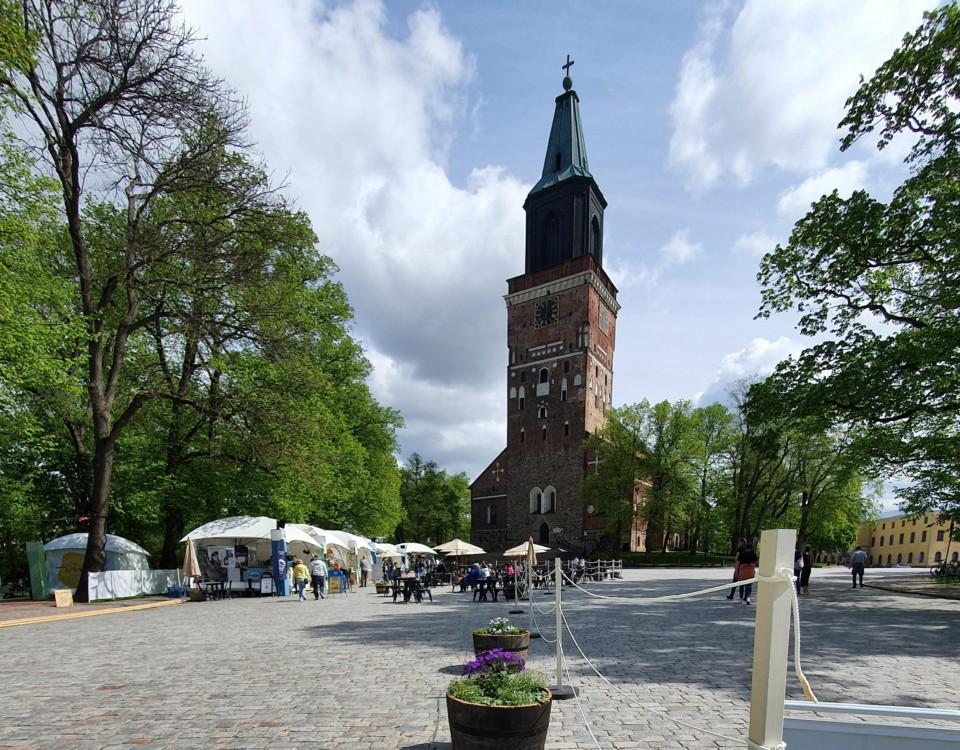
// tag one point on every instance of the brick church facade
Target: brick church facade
(561, 336)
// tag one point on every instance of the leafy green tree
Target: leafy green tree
(712, 437)
(436, 505)
(877, 281)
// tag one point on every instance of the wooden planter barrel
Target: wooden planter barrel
(476, 727)
(518, 643)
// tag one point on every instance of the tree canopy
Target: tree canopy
(878, 282)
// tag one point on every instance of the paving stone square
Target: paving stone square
(359, 671)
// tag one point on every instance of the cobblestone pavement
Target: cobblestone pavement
(360, 672)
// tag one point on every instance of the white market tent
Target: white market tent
(248, 529)
(459, 547)
(415, 548)
(65, 558)
(385, 549)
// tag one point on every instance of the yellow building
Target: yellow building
(917, 541)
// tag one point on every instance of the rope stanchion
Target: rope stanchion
(664, 714)
(576, 695)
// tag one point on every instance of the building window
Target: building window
(521, 394)
(871, 559)
(544, 432)
(566, 366)
(544, 375)
(923, 536)
(513, 393)
(577, 380)
(595, 238)
(491, 515)
(884, 526)
(881, 538)
(563, 389)
(542, 412)
(901, 539)
(873, 541)
(940, 536)
(920, 557)
(566, 429)
(899, 558)
(544, 534)
(913, 537)
(891, 539)
(937, 557)
(889, 559)
(910, 557)
(549, 500)
(523, 376)
(535, 497)
(902, 524)
(521, 440)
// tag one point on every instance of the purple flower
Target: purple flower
(494, 660)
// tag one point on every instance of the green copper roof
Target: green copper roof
(566, 151)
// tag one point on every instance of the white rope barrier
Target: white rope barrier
(576, 696)
(783, 574)
(664, 714)
(536, 624)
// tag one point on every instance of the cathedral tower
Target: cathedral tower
(561, 329)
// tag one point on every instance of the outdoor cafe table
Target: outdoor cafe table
(405, 586)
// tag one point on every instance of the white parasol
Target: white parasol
(460, 547)
(416, 548)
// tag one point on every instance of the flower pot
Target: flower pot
(382, 589)
(518, 643)
(477, 727)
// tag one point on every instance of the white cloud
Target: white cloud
(755, 244)
(795, 202)
(626, 275)
(770, 87)
(679, 249)
(756, 360)
(359, 119)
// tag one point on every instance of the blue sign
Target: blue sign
(278, 548)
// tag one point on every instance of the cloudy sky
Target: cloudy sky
(411, 133)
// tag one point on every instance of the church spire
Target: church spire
(566, 151)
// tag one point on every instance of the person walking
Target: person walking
(807, 568)
(300, 578)
(746, 569)
(318, 572)
(736, 567)
(364, 572)
(797, 568)
(858, 561)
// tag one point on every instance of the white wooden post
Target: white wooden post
(533, 632)
(558, 585)
(771, 639)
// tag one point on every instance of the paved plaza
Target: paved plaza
(361, 672)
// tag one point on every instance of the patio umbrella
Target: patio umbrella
(460, 547)
(385, 549)
(522, 550)
(191, 567)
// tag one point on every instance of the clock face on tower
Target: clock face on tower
(546, 313)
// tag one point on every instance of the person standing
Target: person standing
(318, 572)
(797, 568)
(807, 568)
(364, 572)
(736, 566)
(858, 561)
(746, 569)
(300, 577)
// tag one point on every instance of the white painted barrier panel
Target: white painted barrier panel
(120, 584)
(801, 733)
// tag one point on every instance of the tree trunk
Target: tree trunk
(95, 559)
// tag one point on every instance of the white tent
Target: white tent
(249, 528)
(415, 548)
(65, 558)
(385, 549)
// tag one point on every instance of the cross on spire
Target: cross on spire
(566, 68)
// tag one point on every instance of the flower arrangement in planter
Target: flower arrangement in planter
(498, 705)
(381, 586)
(501, 634)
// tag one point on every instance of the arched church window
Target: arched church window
(535, 497)
(521, 394)
(542, 412)
(491, 515)
(544, 432)
(544, 375)
(563, 390)
(544, 534)
(566, 429)
(577, 380)
(513, 393)
(549, 504)
(521, 434)
(595, 239)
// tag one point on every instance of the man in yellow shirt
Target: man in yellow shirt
(300, 578)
